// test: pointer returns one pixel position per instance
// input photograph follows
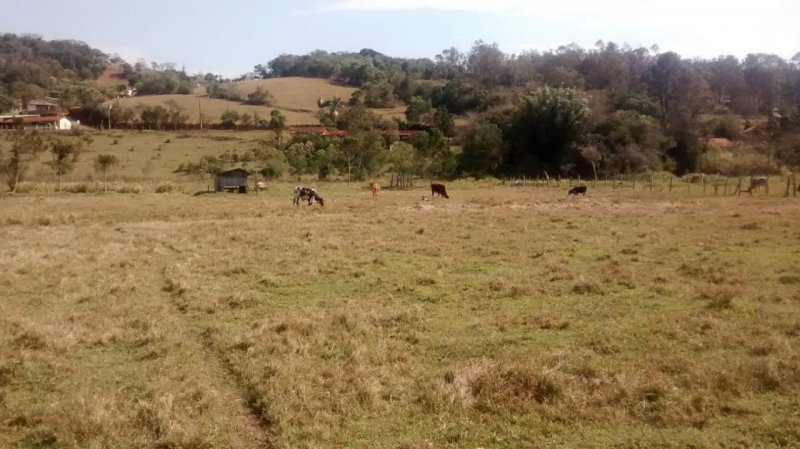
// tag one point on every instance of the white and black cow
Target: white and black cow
(304, 193)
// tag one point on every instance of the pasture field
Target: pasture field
(147, 155)
(296, 98)
(501, 318)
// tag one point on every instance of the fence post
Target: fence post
(688, 185)
(670, 183)
(704, 184)
(788, 187)
(726, 186)
(651, 182)
(794, 186)
(766, 187)
(739, 188)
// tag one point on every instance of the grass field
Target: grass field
(295, 97)
(503, 317)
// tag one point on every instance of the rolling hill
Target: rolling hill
(296, 97)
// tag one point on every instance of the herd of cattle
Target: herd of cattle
(312, 196)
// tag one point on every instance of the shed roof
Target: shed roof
(234, 172)
(30, 119)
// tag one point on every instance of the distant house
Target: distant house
(50, 122)
(126, 93)
(42, 107)
(232, 181)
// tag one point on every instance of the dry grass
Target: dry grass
(491, 319)
(295, 97)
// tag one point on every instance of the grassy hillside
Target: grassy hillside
(148, 155)
(295, 97)
(492, 319)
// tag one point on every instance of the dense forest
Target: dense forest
(607, 109)
(610, 108)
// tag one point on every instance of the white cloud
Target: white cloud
(625, 11)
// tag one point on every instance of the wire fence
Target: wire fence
(693, 184)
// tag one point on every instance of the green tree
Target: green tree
(483, 151)
(401, 158)
(229, 118)
(103, 163)
(277, 123)
(259, 97)
(26, 146)
(443, 120)
(177, 115)
(544, 130)
(298, 155)
(484, 63)
(154, 117)
(361, 154)
(378, 94)
(64, 156)
(417, 110)
(434, 149)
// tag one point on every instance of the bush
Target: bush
(740, 160)
(166, 187)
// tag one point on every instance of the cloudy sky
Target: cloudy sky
(230, 37)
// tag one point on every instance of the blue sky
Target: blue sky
(230, 37)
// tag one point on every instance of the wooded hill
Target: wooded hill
(572, 110)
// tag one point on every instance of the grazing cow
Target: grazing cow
(375, 187)
(756, 182)
(304, 193)
(439, 188)
(576, 190)
(261, 185)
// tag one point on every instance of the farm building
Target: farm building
(52, 122)
(232, 180)
(42, 107)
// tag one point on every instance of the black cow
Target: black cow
(303, 193)
(440, 189)
(576, 190)
(757, 182)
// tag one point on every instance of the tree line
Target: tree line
(573, 110)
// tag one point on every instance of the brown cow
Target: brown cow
(576, 190)
(440, 189)
(375, 187)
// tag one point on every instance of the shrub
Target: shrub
(165, 187)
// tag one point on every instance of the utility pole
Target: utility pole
(109, 116)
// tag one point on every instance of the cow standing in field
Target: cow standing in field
(440, 189)
(304, 193)
(261, 185)
(757, 182)
(375, 187)
(577, 190)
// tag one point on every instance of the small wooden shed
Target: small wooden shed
(232, 181)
